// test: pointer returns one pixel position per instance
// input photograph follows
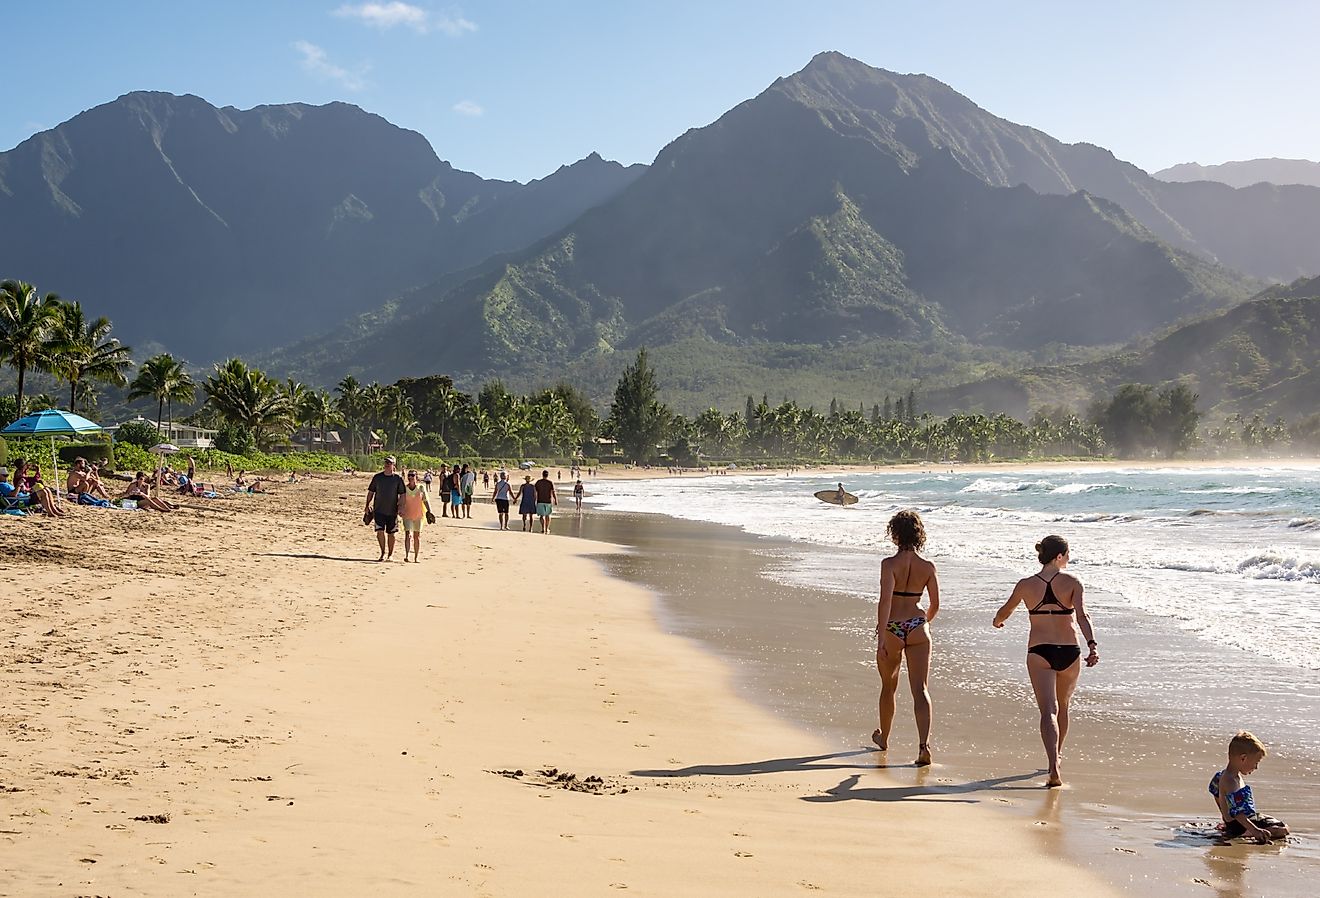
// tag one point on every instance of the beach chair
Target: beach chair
(15, 504)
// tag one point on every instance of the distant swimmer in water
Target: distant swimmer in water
(1053, 599)
(901, 628)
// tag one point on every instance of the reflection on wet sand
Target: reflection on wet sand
(810, 655)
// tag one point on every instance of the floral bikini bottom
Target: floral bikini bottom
(901, 628)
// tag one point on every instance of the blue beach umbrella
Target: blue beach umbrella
(52, 423)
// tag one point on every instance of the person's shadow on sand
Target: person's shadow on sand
(313, 555)
(775, 765)
(847, 790)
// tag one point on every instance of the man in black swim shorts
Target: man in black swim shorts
(383, 507)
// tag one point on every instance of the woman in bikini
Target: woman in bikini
(1053, 599)
(901, 628)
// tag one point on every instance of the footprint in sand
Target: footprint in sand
(743, 854)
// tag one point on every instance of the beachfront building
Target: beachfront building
(185, 436)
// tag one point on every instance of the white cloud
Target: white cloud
(317, 61)
(385, 16)
(467, 107)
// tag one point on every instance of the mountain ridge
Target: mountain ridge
(1247, 172)
(798, 217)
(174, 207)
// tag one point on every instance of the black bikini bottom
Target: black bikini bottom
(1060, 657)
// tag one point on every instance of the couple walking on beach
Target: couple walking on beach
(1053, 599)
(389, 499)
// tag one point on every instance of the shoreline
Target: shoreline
(1134, 790)
(635, 473)
(238, 701)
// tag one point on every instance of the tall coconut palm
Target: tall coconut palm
(249, 398)
(350, 406)
(319, 410)
(27, 324)
(162, 378)
(86, 351)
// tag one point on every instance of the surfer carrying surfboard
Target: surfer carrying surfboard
(902, 628)
(841, 495)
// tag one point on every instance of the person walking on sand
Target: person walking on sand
(527, 502)
(501, 495)
(444, 491)
(468, 482)
(578, 491)
(902, 629)
(546, 500)
(1053, 599)
(383, 507)
(413, 506)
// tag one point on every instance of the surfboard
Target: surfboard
(832, 497)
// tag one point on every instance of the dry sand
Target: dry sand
(233, 700)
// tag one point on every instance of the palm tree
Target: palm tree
(248, 398)
(162, 378)
(350, 407)
(88, 352)
(318, 409)
(27, 324)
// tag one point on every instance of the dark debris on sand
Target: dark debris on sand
(153, 818)
(554, 778)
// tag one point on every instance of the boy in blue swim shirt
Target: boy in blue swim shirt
(1233, 796)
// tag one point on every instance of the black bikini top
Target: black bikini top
(1050, 599)
(911, 595)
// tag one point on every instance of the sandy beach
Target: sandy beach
(234, 700)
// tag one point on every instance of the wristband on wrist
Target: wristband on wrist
(1090, 643)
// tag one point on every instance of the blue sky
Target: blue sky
(514, 89)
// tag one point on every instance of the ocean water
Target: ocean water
(1204, 583)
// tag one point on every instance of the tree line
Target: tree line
(253, 410)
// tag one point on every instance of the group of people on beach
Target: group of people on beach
(393, 499)
(1055, 605)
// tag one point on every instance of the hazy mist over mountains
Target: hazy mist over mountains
(1247, 173)
(844, 206)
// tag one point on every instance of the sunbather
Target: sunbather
(139, 492)
(27, 480)
(27, 499)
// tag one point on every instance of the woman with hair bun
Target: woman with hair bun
(1052, 598)
(901, 628)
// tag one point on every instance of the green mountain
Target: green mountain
(1260, 357)
(843, 207)
(218, 231)
(1247, 172)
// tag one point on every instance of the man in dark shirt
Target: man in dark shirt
(383, 507)
(546, 499)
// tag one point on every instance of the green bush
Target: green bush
(137, 433)
(235, 440)
(131, 457)
(90, 451)
(432, 444)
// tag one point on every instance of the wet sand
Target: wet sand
(1135, 810)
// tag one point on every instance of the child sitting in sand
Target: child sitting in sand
(1233, 795)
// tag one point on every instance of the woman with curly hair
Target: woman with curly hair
(902, 628)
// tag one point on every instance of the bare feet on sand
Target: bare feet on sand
(880, 740)
(923, 755)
